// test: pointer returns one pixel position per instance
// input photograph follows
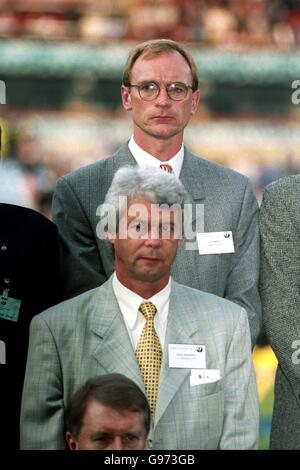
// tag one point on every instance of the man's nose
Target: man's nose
(153, 239)
(117, 443)
(153, 242)
(163, 98)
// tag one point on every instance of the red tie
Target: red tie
(166, 168)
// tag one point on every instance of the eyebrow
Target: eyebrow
(100, 434)
(107, 435)
(164, 83)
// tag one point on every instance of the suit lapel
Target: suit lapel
(114, 351)
(192, 179)
(189, 176)
(121, 158)
(194, 217)
(179, 331)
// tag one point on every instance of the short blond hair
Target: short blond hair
(156, 47)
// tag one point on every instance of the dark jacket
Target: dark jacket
(30, 267)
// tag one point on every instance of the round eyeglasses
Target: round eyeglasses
(148, 91)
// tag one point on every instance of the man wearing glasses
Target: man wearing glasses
(160, 90)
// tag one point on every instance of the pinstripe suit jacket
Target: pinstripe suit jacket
(86, 336)
(229, 204)
(280, 291)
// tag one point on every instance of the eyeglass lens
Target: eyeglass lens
(175, 91)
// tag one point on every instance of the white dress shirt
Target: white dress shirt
(146, 159)
(129, 303)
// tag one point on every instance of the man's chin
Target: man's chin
(163, 132)
(149, 275)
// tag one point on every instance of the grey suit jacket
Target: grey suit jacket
(86, 336)
(280, 292)
(229, 204)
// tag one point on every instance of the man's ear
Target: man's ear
(147, 445)
(126, 98)
(72, 444)
(195, 101)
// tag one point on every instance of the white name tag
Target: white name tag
(213, 243)
(204, 376)
(188, 356)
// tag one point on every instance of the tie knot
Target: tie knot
(148, 309)
(167, 168)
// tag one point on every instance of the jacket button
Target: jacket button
(3, 248)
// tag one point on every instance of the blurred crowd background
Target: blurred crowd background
(251, 23)
(62, 60)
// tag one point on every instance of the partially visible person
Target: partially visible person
(188, 350)
(280, 293)
(23, 176)
(160, 91)
(13, 189)
(109, 412)
(29, 283)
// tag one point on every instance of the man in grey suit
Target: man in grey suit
(280, 292)
(192, 357)
(160, 90)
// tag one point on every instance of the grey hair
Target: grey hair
(150, 183)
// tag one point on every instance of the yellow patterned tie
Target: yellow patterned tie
(149, 354)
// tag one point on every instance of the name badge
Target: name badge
(187, 356)
(9, 308)
(213, 243)
(204, 376)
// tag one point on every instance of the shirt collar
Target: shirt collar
(129, 301)
(146, 159)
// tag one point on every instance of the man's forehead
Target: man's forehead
(95, 407)
(139, 199)
(144, 62)
(147, 206)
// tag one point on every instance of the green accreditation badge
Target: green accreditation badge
(9, 307)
